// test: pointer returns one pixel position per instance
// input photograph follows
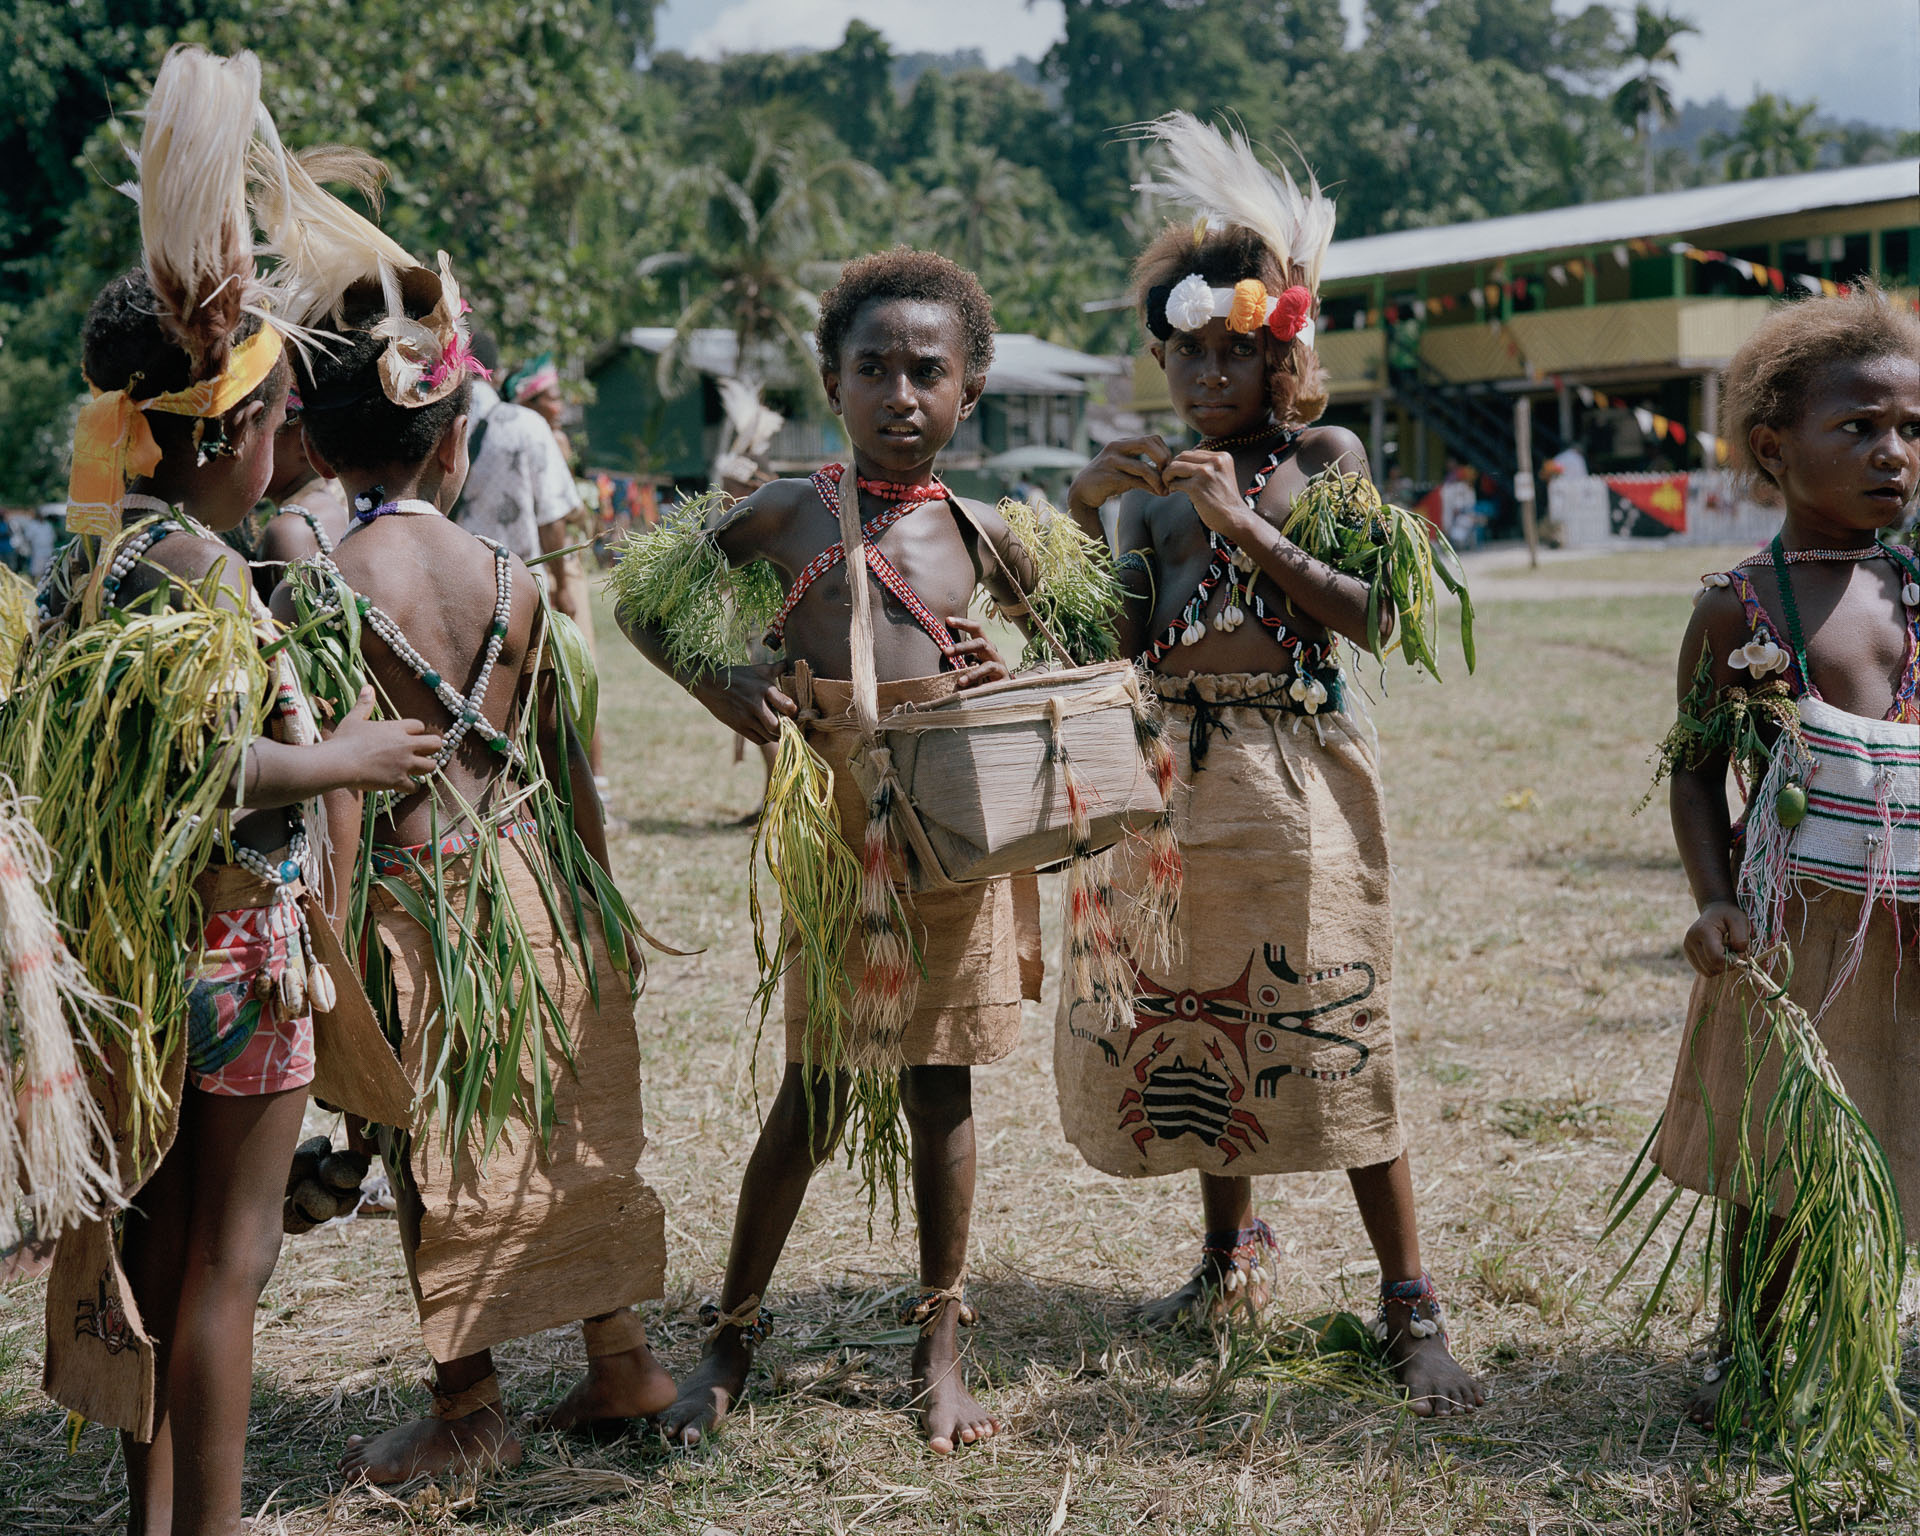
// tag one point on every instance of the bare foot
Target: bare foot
(1436, 1384)
(428, 1447)
(708, 1395)
(947, 1409)
(1204, 1301)
(630, 1385)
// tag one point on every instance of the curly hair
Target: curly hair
(348, 414)
(123, 345)
(903, 273)
(1767, 383)
(1296, 384)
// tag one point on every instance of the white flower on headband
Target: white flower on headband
(1190, 304)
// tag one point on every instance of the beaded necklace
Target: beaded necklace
(1783, 561)
(893, 490)
(465, 708)
(1245, 439)
(1189, 628)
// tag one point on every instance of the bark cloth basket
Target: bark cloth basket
(1024, 774)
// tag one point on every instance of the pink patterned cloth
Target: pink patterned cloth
(237, 1043)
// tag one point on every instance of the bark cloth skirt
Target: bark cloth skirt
(1264, 1045)
(980, 944)
(1871, 1032)
(535, 1237)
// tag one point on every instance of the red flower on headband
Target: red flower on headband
(1291, 311)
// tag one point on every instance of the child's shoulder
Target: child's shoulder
(1327, 447)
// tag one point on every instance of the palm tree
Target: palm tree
(769, 198)
(978, 205)
(1643, 102)
(1772, 140)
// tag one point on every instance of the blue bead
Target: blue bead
(431, 679)
(289, 872)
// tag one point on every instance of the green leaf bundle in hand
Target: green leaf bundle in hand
(1076, 592)
(1341, 520)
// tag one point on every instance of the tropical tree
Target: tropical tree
(771, 196)
(979, 204)
(1643, 102)
(1773, 139)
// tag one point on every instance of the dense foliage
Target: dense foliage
(581, 186)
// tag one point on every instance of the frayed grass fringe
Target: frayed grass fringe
(16, 624)
(57, 1163)
(1816, 1385)
(675, 579)
(819, 878)
(122, 739)
(1076, 591)
(1341, 520)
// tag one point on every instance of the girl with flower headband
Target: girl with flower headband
(1800, 672)
(515, 1170)
(178, 770)
(1261, 1040)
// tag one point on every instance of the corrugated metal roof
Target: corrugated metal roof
(1022, 364)
(1629, 218)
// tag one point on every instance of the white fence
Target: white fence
(1717, 512)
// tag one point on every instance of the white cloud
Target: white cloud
(1002, 30)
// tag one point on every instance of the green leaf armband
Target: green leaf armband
(1729, 722)
(676, 580)
(1076, 592)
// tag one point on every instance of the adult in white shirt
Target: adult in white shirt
(518, 482)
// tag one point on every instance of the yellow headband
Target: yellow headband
(112, 443)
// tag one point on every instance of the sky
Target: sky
(1858, 58)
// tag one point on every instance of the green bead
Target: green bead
(499, 744)
(470, 715)
(431, 679)
(363, 604)
(499, 630)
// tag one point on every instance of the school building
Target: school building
(1602, 327)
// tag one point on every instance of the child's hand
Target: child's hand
(1212, 484)
(1719, 931)
(988, 666)
(382, 754)
(745, 699)
(1125, 464)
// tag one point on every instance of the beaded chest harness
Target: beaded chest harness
(464, 708)
(905, 499)
(1228, 563)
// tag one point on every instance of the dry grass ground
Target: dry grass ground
(1538, 1002)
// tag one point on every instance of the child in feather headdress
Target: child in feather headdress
(178, 769)
(1261, 1040)
(489, 926)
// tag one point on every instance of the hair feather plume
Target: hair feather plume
(324, 247)
(195, 228)
(1219, 176)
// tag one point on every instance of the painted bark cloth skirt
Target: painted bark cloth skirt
(980, 944)
(1265, 1046)
(100, 1354)
(1871, 1031)
(536, 1237)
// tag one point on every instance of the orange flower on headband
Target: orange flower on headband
(1249, 310)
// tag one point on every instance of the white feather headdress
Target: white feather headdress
(195, 229)
(327, 251)
(1219, 177)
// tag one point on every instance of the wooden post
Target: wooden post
(1564, 395)
(1523, 474)
(1377, 438)
(1710, 414)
